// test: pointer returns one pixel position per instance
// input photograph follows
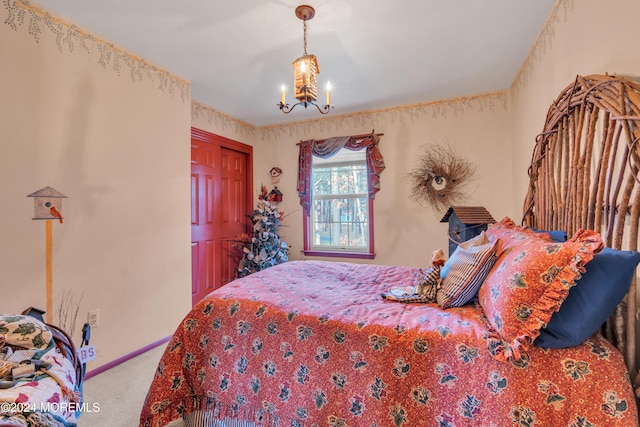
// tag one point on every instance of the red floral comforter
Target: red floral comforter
(311, 343)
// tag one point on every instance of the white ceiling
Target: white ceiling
(376, 53)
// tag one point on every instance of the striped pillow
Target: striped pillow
(465, 271)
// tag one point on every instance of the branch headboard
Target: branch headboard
(584, 175)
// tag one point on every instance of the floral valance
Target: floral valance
(330, 146)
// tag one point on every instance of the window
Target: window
(338, 178)
(340, 215)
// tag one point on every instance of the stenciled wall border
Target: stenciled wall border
(221, 120)
(361, 119)
(22, 14)
(559, 14)
(371, 118)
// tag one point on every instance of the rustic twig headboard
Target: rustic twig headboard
(584, 175)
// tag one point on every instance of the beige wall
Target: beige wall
(405, 232)
(217, 122)
(119, 149)
(581, 37)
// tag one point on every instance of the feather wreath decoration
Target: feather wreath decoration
(440, 177)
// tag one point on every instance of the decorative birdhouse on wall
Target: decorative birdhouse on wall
(275, 195)
(465, 222)
(47, 204)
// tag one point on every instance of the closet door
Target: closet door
(233, 209)
(221, 196)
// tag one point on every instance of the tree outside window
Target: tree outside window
(340, 205)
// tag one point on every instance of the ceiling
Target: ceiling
(376, 53)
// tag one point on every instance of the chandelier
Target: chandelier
(305, 73)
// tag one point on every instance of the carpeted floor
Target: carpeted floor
(119, 392)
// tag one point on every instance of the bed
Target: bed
(40, 374)
(525, 338)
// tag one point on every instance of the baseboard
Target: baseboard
(107, 366)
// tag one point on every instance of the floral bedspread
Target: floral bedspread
(312, 343)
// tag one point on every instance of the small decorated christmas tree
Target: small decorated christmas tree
(263, 248)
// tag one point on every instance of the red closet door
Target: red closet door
(221, 196)
(234, 210)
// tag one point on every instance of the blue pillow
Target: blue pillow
(556, 235)
(592, 300)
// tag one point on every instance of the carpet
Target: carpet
(114, 398)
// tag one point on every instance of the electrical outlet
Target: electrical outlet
(93, 318)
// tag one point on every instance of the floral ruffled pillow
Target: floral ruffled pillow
(528, 283)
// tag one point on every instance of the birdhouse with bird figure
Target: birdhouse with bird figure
(47, 204)
(466, 222)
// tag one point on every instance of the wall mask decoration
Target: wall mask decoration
(440, 178)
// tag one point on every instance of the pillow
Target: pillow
(554, 235)
(512, 234)
(465, 271)
(529, 282)
(25, 331)
(593, 299)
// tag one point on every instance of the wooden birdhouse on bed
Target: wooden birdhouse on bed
(465, 222)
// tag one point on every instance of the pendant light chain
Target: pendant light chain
(304, 23)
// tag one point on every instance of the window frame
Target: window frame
(367, 253)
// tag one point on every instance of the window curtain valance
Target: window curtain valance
(330, 146)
